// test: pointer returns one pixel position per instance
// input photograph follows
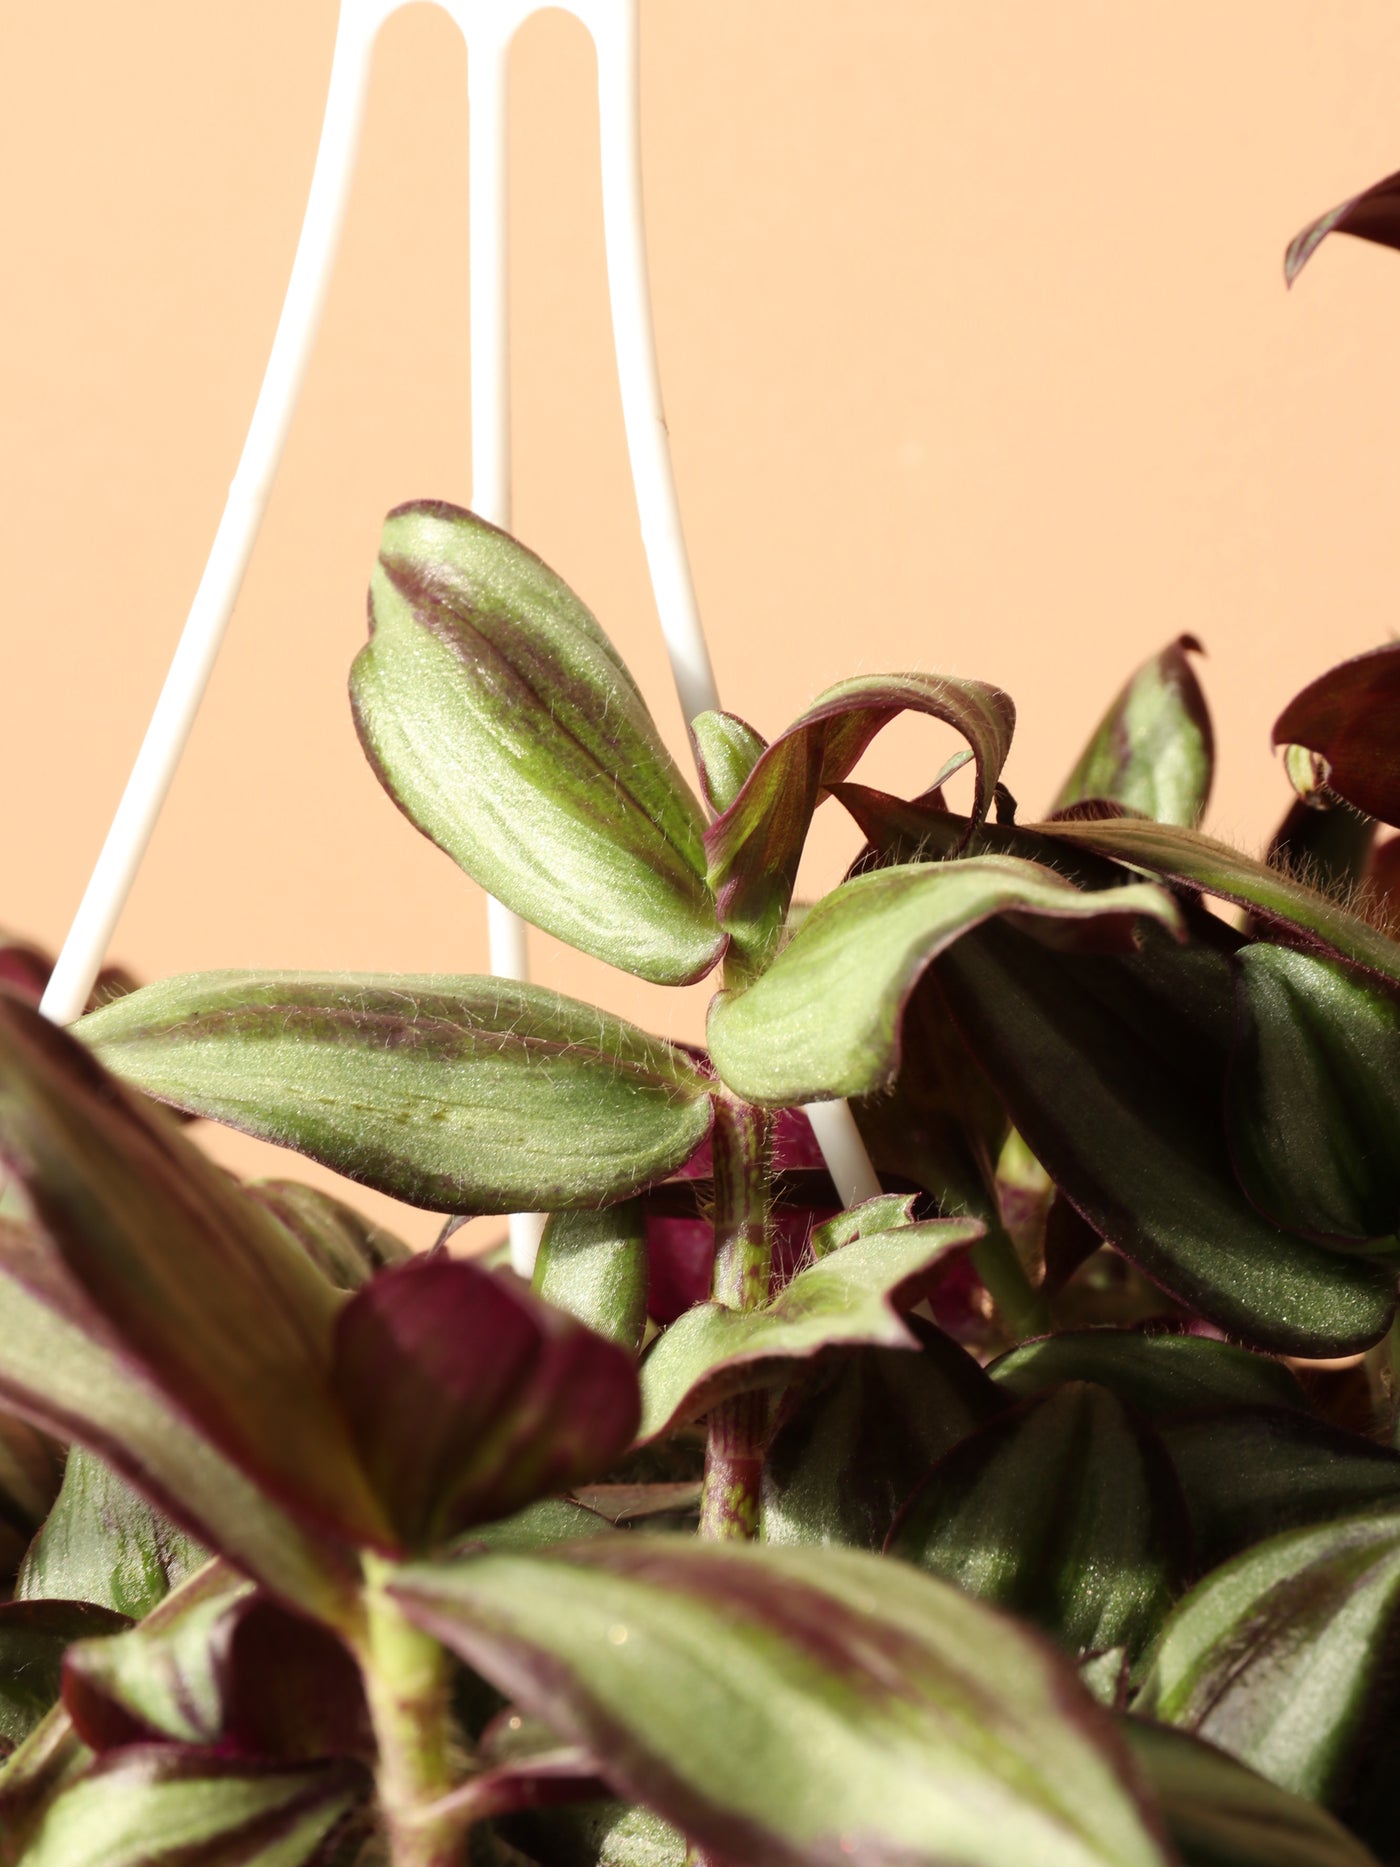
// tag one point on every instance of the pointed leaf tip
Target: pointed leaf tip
(1373, 215)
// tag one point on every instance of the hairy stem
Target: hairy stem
(406, 1676)
(1020, 1305)
(736, 1429)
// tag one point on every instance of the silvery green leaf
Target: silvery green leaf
(455, 1093)
(503, 723)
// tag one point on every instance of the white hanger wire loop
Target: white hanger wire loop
(488, 27)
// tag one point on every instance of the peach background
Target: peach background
(976, 357)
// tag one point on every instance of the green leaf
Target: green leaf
(1153, 751)
(755, 847)
(858, 955)
(1200, 862)
(79, 1386)
(596, 1834)
(1284, 1658)
(159, 1806)
(594, 1265)
(1156, 1373)
(468, 1398)
(1250, 1472)
(726, 751)
(50, 1758)
(1114, 1070)
(1314, 1097)
(504, 725)
(152, 1249)
(103, 1542)
(853, 1441)
(1065, 1510)
(34, 1635)
(459, 1094)
(848, 1298)
(798, 1707)
(1220, 1814)
(345, 1247)
(221, 1666)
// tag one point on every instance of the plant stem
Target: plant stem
(406, 1677)
(1021, 1306)
(742, 1144)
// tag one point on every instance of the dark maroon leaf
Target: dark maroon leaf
(1350, 716)
(191, 1282)
(1374, 215)
(468, 1398)
(1113, 1069)
(1251, 1472)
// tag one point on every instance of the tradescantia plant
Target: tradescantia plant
(1007, 1517)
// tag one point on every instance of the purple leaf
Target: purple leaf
(468, 1398)
(1374, 214)
(1350, 717)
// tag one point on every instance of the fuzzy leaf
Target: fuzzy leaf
(1220, 1814)
(1251, 1472)
(459, 1094)
(504, 725)
(160, 1806)
(1325, 845)
(33, 1638)
(594, 1266)
(1374, 214)
(798, 1707)
(853, 1441)
(1314, 1098)
(1113, 1069)
(848, 1298)
(468, 1398)
(205, 1295)
(1284, 1658)
(1065, 1510)
(1156, 1374)
(755, 847)
(102, 1542)
(726, 751)
(1186, 856)
(221, 1666)
(70, 1378)
(824, 1019)
(345, 1247)
(1153, 751)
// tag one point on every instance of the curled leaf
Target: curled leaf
(1374, 214)
(850, 1297)
(755, 846)
(1350, 718)
(824, 1019)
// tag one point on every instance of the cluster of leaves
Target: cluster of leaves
(1030, 1528)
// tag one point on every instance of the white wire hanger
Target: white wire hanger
(488, 27)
